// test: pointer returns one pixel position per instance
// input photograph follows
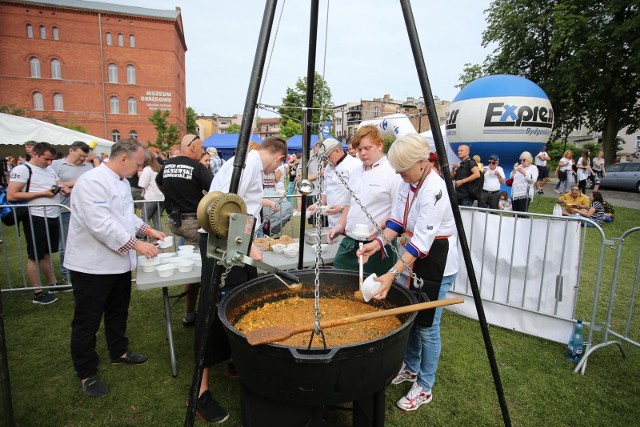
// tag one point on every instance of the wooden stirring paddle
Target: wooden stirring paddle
(281, 333)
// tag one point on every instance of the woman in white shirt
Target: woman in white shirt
(525, 175)
(565, 172)
(584, 170)
(154, 199)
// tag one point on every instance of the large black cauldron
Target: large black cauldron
(316, 377)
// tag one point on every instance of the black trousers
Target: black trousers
(97, 295)
(430, 269)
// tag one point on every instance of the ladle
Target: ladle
(281, 333)
(294, 287)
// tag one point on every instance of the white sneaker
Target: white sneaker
(404, 375)
(415, 398)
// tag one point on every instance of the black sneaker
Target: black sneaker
(43, 298)
(93, 387)
(209, 411)
(189, 320)
(131, 359)
(60, 287)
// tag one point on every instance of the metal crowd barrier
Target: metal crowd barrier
(620, 318)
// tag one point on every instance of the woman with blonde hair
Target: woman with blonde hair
(525, 175)
(564, 172)
(423, 219)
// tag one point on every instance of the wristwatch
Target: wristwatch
(395, 273)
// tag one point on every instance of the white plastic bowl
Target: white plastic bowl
(148, 268)
(167, 242)
(184, 265)
(196, 259)
(166, 270)
(295, 246)
(278, 248)
(144, 261)
(166, 257)
(291, 252)
(186, 247)
(369, 287)
(185, 253)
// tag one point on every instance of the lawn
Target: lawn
(539, 384)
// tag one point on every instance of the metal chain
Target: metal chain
(318, 246)
(223, 277)
(417, 280)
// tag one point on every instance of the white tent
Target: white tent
(17, 130)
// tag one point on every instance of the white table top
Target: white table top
(145, 281)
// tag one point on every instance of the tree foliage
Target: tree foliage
(192, 127)
(292, 112)
(233, 128)
(13, 110)
(585, 54)
(167, 135)
(470, 72)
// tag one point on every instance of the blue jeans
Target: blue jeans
(466, 201)
(65, 217)
(423, 349)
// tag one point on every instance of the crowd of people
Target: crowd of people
(402, 191)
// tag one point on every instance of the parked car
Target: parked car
(625, 176)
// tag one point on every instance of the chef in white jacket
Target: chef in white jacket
(104, 239)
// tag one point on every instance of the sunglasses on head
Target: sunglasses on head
(194, 138)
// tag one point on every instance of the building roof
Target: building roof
(108, 7)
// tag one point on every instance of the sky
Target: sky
(363, 49)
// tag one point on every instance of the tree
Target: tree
(233, 128)
(167, 134)
(13, 110)
(584, 54)
(192, 127)
(292, 112)
(470, 72)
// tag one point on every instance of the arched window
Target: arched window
(56, 33)
(115, 135)
(120, 39)
(56, 70)
(34, 63)
(43, 32)
(30, 31)
(114, 105)
(132, 40)
(58, 104)
(38, 101)
(113, 73)
(133, 134)
(109, 39)
(131, 74)
(132, 106)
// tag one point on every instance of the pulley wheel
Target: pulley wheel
(215, 209)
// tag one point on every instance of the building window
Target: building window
(34, 63)
(43, 32)
(132, 106)
(133, 134)
(38, 102)
(132, 40)
(58, 104)
(56, 71)
(56, 33)
(638, 141)
(113, 73)
(376, 111)
(120, 39)
(114, 105)
(109, 39)
(115, 135)
(30, 31)
(131, 74)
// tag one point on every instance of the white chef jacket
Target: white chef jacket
(376, 189)
(334, 189)
(103, 224)
(250, 188)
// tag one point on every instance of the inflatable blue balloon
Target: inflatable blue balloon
(503, 115)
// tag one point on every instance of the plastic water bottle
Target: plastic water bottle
(576, 343)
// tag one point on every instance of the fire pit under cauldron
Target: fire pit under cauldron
(290, 386)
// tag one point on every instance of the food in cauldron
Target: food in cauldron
(295, 311)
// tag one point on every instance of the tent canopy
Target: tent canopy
(294, 144)
(226, 143)
(16, 130)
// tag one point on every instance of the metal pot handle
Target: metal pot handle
(314, 356)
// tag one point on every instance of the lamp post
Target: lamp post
(420, 105)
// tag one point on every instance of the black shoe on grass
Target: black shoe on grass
(131, 359)
(208, 410)
(93, 387)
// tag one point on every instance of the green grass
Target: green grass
(539, 384)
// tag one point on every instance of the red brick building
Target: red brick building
(102, 66)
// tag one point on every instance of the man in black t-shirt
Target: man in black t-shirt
(184, 180)
(464, 174)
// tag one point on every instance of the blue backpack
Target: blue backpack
(7, 214)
